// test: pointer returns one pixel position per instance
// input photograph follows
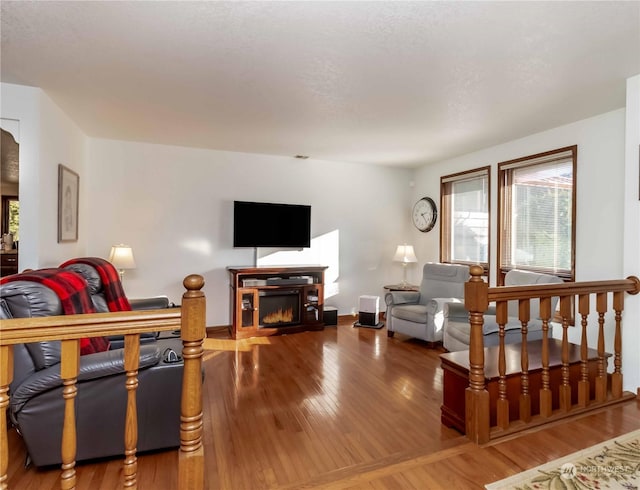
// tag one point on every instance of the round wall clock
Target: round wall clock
(424, 214)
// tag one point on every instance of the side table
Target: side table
(401, 287)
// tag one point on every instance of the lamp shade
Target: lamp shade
(121, 257)
(405, 254)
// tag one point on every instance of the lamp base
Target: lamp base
(404, 282)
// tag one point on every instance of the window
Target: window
(536, 213)
(11, 216)
(465, 218)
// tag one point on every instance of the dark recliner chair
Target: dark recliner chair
(37, 406)
(96, 290)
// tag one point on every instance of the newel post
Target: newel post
(193, 332)
(476, 396)
(6, 376)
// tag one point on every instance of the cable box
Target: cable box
(250, 283)
(290, 281)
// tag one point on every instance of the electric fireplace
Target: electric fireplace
(279, 308)
(276, 300)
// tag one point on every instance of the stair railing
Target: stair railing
(69, 329)
(608, 386)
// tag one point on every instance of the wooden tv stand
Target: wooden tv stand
(272, 300)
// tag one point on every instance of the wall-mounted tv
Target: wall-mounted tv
(262, 224)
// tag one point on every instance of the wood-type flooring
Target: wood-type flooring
(342, 408)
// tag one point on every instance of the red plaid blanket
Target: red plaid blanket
(113, 291)
(74, 296)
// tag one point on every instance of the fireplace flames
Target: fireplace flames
(279, 316)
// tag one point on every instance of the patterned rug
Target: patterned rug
(613, 464)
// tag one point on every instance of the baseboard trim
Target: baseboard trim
(218, 329)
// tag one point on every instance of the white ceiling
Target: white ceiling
(388, 82)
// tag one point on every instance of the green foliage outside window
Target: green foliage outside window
(14, 218)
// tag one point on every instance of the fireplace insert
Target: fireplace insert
(279, 308)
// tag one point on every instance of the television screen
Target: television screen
(261, 224)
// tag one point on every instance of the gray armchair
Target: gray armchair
(420, 314)
(457, 328)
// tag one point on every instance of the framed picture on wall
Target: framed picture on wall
(68, 201)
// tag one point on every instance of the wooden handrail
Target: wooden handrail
(67, 327)
(629, 285)
(190, 319)
(478, 296)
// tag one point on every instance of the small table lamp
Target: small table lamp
(121, 257)
(405, 255)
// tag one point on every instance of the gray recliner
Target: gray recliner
(36, 406)
(420, 314)
(457, 327)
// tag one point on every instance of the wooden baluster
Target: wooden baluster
(6, 376)
(193, 332)
(601, 380)
(565, 387)
(583, 384)
(502, 405)
(131, 365)
(545, 390)
(524, 311)
(70, 366)
(616, 376)
(476, 396)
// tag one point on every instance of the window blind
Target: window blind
(537, 213)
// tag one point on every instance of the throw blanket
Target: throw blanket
(74, 296)
(113, 291)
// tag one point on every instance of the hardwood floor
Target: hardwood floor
(341, 408)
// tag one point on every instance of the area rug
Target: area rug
(613, 464)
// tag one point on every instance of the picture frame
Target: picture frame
(68, 203)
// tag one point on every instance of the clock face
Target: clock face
(424, 214)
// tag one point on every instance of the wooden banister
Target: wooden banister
(524, 311)
(69, 369)
(503, 401)
(191, 457)
(478, 296)
(476, 395)
(190, 319)
(6, 376)
(545, 390)
(131, 364)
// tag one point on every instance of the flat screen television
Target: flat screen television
(262, 224)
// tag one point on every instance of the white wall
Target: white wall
(47, 137)
(600, 177)
(173, 205)
(602, 227)
(631, 227)
(61, 142)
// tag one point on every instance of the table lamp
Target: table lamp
(121, 257)
(405, 255)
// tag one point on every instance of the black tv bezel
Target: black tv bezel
(273, 212)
